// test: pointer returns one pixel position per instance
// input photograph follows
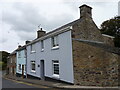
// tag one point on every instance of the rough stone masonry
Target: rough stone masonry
(93, 65)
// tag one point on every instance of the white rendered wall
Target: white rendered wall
(63, 54)
(21, 60)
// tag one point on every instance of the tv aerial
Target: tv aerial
(39, 26)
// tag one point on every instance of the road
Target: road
(17, 84)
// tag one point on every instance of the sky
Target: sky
(19, 20)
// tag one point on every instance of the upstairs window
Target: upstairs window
(32, 48)
(19, 54)
(55, 42)
(32, 66)
(42, 45)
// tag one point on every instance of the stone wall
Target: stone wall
(11, 66)
(94, 66)
(109, 40)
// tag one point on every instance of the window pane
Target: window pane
(32, 47)
(55, 61)
(56, 67)
(42, 44)
(55, 41)
(33, 65)
(19, 66)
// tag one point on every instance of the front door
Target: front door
(23, 71)
(42, 69)
(13, 71)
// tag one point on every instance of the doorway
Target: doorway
(23, 71)
(42, 69)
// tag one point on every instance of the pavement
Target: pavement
(58, 85)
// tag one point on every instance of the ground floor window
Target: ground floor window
(19, 67)
(11, 69)
(32, 66)
(56, 68)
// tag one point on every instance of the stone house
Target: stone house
(11, 64)
(75, 53)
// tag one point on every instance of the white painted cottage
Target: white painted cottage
(51, 56)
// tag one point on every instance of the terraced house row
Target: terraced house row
(75, 53)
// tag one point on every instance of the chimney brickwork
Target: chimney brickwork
(85, 11)
(40, 33)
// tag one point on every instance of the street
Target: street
(17, 84)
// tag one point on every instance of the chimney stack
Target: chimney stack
(19, 46)
(85, 11)
(40, 33)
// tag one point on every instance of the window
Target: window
(19, 54)
(32, 66)
(55, 41)
(19, 67)
(11, 69)
(42, 45)
(56, 68)
(24, 53)
(32, 48)
(11, 60)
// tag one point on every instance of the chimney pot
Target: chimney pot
(41, 29)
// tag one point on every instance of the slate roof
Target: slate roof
(57, 29)
(14, 52)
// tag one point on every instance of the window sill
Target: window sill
(56, 47)
(32, 71)
(55, 76)
(19, 70)
(42, 50)
(33, 52)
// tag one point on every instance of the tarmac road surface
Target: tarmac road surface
(6, 83)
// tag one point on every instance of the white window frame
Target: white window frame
(19, 54)
(32, 47)
(42, 45)
(33, 62)
(19, 67)
(56, 62)
(11, 60)
(55, 42)
(11, 69)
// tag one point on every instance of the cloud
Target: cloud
(24, 18)
(3, 40)
(26, 35)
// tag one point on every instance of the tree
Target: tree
(3, 58)
(112, 27)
